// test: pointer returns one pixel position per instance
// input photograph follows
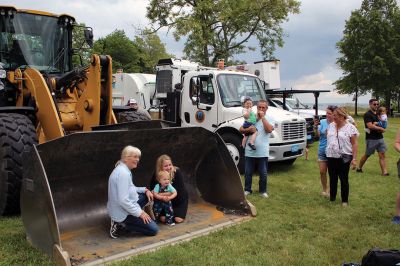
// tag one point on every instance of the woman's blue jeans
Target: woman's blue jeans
(136, 224)
(262, 171)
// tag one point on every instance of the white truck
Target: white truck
(191, 95)
(136, 86)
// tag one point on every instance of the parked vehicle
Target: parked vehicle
(295, 106)
(61, 184)
(191, 95)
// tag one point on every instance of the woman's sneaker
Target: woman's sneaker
(115, 229)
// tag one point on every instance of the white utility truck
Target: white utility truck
(192, 95)
(136, 86)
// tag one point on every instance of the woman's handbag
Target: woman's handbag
(346, 158)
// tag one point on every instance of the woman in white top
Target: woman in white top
(341, 151)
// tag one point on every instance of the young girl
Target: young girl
(162, 203)
(382, 118)
(250, 119)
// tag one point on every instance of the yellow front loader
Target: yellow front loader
(59, 141)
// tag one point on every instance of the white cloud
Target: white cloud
(322, 80)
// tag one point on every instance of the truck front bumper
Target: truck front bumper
(286, 151)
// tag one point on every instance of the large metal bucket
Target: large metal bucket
(64, 190)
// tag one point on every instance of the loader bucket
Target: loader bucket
(64, 191)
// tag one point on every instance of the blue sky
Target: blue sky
(307, 58)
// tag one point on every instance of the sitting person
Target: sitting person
(250, 120)
(162, 202)
(181, 201)
(125, 200)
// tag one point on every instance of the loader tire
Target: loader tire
(17, 135)
(132, 116)
(234, 145)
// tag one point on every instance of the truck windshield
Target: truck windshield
(295, 104)
(37, 41)
(233, 88)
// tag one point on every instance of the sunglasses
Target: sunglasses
(375, 104)
(332, 107)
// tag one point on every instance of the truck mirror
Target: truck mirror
(88, 32)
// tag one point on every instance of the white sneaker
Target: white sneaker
(246, 193)
(264, 195)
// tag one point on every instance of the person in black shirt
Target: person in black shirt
(180, 202)
(373, 137)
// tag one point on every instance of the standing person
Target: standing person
(181, 201)
(263, 127)
(373, 138)
(396, 219)
(125, 200)
(320, 131)
(163, 203)
(341, 151)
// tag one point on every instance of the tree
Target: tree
(82, 51)
(219, 29)
(123, 51)
(370, 50)
(151, 49)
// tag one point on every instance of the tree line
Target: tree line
(370, 52)
(221, 29)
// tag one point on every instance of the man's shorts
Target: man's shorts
(374, 145)
(322, 156)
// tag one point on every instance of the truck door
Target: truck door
(199, 103)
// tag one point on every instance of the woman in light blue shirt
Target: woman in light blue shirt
(125, 200)
(320, 131)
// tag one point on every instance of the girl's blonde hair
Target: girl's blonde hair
(128, 151)
(163, 173)
(159, 165)
(381, 109)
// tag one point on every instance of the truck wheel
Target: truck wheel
(233, 143)
(17, 135)
(132, 116)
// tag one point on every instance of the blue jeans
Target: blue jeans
(262, 171)
(136, 224)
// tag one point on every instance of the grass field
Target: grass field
(295, 226)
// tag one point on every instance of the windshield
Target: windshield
(234, 88)
(29, 40)
(295, 104)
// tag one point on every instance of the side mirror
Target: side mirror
(88, 32)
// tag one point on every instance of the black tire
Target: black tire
(234, 145)
(132, 116)
(17, 135)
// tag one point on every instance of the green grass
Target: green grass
(295, 226)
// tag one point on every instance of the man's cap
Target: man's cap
(132, 101)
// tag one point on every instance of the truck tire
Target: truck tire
(17, 135)
(132, 116)
(234, 145)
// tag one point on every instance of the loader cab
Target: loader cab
(33, 39)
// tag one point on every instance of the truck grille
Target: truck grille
(292, 131)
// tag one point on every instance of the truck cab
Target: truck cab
(212, 99)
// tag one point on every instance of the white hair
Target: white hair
(128, 151)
